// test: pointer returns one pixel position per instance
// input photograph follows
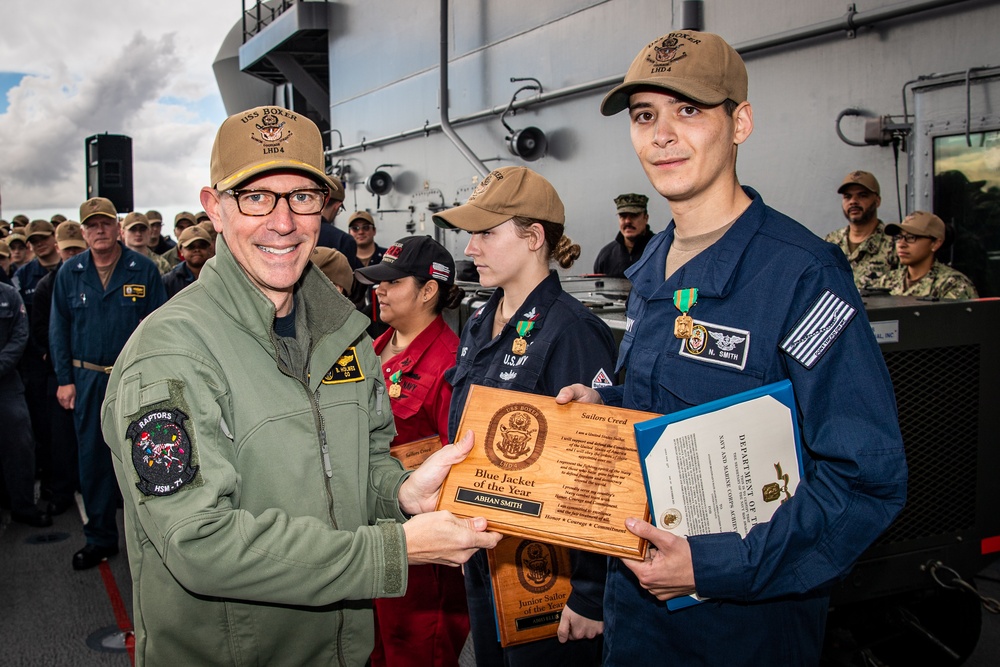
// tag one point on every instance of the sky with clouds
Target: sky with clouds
(70, 69)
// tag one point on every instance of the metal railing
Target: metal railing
(262, 13)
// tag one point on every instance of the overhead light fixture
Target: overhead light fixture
(530, 143)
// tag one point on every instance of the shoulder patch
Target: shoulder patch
(600, 380)
(347, 369)
(161, 451)
(818, 329)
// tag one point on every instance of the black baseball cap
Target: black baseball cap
(417, 256)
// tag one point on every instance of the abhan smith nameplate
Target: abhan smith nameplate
(563, 474)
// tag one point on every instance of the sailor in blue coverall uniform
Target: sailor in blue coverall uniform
(547, 340)
(88, 329)
(773, 302)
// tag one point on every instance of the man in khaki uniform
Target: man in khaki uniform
(182, 221)
(868, 248)
(918, 238)
(135, 234)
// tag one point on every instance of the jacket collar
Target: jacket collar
(416, 349)
(539, 301)
(127, 266)
(711, 271)
(334, 324)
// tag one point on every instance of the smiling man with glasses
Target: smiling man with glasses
(250, 426)
(918, 238)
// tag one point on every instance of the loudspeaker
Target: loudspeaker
(109, 169)
(528, 144)
(379, 183)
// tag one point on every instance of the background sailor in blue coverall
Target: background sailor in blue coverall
(17, 450)
(99, 298)
(40, 235)
(760, 276)
(530, 336)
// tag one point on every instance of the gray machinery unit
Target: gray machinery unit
(909, 599)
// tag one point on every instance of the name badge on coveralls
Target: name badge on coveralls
(347, 369)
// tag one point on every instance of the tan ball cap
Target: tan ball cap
(192, 234)
(505, 193)
(97, 206)
(697, 65)
(42, 228)
(134, 218)
(920, 223)
(335, 266)
(4, 249)
(70, 235)
(864, 179)
(266, 139)
(361, 215)
(185, 215)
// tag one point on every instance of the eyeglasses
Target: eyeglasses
(197, 245)
(910, 238)
(262, 202)
(364, 227)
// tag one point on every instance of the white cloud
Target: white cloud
(141, 68)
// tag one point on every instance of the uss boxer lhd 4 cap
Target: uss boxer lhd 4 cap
(700, 66)
(505, 193)
(266, 139)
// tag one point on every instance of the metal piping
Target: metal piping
(443, 99)
(848, 23)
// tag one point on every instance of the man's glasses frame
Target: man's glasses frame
(303, 201)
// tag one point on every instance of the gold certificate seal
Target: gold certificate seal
(670, 519)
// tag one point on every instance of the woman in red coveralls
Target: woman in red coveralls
(416, 282)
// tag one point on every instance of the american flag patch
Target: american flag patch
(816, 331)
(439, 271)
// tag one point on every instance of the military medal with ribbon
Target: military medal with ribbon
(394, 389)
(520, 345)
(684, 299)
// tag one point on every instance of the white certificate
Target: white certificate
(724, 466)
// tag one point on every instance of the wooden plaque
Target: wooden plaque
(563, 474)
(412, 454)
(531, 584)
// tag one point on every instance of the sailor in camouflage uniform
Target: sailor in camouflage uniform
(918, 237)
(868, 248)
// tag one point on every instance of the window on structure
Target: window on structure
(967, 198)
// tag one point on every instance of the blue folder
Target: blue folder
(648, 433)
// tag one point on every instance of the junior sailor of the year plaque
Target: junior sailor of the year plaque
(563, 474)
(531, 584)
